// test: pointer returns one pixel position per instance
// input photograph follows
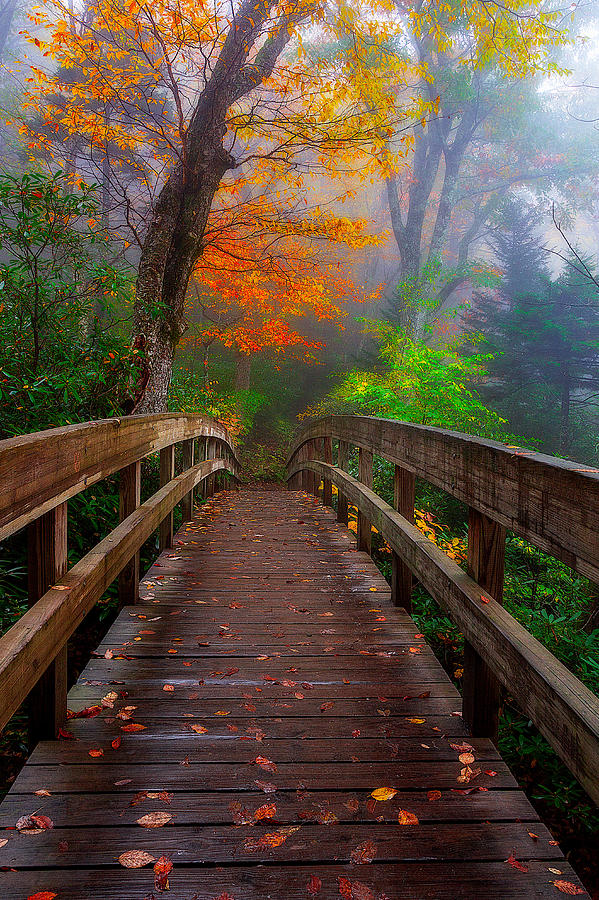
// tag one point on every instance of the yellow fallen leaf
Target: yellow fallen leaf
(384, 793)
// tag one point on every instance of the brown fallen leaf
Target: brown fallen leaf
(314, 885)
(266, 786)
(136, 859)
(154, 820)
(34, 824)
(363, 853)
(434, 795)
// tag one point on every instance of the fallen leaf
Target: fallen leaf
(162, 869)
(96, 753)
(34, 824)
(384, 793)
(567, 887)
(515, 864)
(360, 891)
(314, 885)
(168, 688)
(133, 726)
(466, 758)
(267, 811)
(135, 859)
(363, 853)
(266, 786)
(154, 820)
(43, 895)
(116, 743)
(434, 795)
(222, 712)
(267, 764)
(404, 817)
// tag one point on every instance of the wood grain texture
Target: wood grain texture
(129, 500)
(552, 503)
(302, 691)
(39, 471)
(562, 708)
(31, 645)
(404, 488)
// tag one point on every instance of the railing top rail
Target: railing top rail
(552, 503)
(41, 470)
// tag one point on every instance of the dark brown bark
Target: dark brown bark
(243, 371)
(178, 221)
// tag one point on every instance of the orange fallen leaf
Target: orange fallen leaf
(267, 811)
(96, 753)
(43, 895)
(434, 795)
(133, 726)
(384, 793)
(404, 817)
(567, 887)
(162, 869)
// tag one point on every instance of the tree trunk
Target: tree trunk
(243, 371)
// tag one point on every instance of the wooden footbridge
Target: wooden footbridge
(263, 719)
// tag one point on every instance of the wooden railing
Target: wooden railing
(38, 474)
(552, 503)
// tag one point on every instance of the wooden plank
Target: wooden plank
(553, 503)
(327, 456)
(486, 562)
(424, 881)
(562, 708)
(40, 471)
(47, 561)
(129, 500)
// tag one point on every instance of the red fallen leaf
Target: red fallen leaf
(271, 838)
(355, 733)
(63, 846)
(515, 864)
(363, 853)
(64, 735)
(267, 764)
(328, 705)
(266, 786)
(133, 726)
(43, 895)
(267, 811)
(490, 773)
(96, 753)
(116, 743)
(567, 887)
(462, 748)
(34, 824)
(162, 869)
(352, 805)
(314, 885)
(434, 795)
(344, 887)
(88, 713)
(360, 891)
(224, 896)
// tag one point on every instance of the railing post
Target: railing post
(308, 477)
(481, 690)
(167, 473)
(342, 463)
(364, 530)
(327, 457)
(129, 500)
(47, 561)
(404, 488)
(188, 458)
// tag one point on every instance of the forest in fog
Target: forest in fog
(270, 210)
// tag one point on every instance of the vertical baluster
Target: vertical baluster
(188, 458)
(364, 530)
(481, 690)
(307, 476)
(129, 500)
(47, 562)
(342, 463)
(167, 473)
(404, 485)
(327, 457)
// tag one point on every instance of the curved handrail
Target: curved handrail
(563, 709)
(38, 474)
(552, 503)
(40, 471)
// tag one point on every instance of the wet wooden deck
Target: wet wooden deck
(257, 696)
